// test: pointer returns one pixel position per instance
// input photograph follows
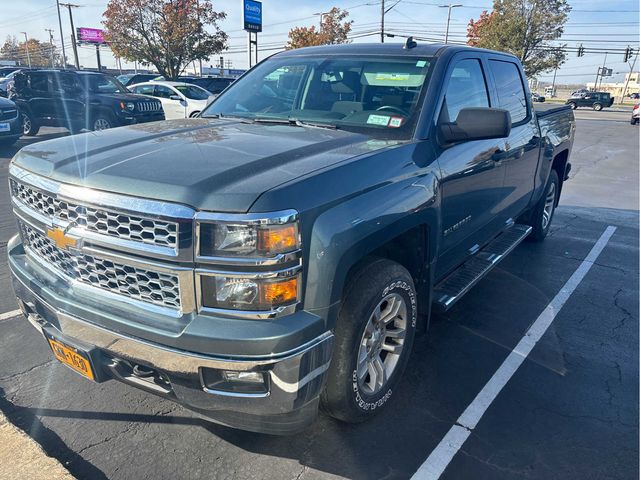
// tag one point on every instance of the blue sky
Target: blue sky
(594, 23)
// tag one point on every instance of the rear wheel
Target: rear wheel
(546, 207)
(374, 337)
(597, 107)
(194, 114)
(29, 126)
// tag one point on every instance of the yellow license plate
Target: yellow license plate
(72, 358)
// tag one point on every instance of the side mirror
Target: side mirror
(476, 124)
(175, 97)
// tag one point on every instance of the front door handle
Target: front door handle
(499, 155)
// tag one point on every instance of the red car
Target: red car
(635, 115)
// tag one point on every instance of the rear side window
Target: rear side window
(144, 89)
(467, 88)
(510, 89)
(39, 82)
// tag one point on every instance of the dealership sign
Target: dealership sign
(90, 35)
(252, 16)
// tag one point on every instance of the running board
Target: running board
(462, 279)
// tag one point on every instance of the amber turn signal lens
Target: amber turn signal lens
(278, 239)
(279, 293)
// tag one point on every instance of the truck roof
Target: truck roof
(426, 50)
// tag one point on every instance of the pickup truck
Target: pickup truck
(78, 100)
(279, 254)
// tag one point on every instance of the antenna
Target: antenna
(410, 43)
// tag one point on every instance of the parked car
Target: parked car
(6, 82)
(214, 85)
(634, 95)
(179, 99)
(128, 79)
(79, 99)
(635, 114)
(281, 251)
(536, 97)
(10, 125)
(595, 100)
(4, 71)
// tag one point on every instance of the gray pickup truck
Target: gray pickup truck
(279, 254)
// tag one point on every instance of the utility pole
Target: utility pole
(553, 84)
(64, 55)
(51, 43)
(382, 12)
(26, 45)
(601, 71)
(73, 34)
(626, 83)
(450, 7)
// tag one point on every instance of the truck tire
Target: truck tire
(374, 336)
(597, 107)
(573, 105)
(101, 121)
(29, 125)
(634, 121)
(544, 210)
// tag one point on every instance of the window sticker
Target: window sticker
(421, 63)
(381, 120)
(396, 122)
(393, 77)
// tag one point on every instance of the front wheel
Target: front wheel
(374, 336)
(573, 105)
(546, 207)
(29, 125)
(634, 121)
(597, 107)
(194, 114)
(101, 121)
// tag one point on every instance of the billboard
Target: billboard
(89, 35)
(252, 16)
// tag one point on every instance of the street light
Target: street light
(322, 14)
(450, 6)
(26, 45)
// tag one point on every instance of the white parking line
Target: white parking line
(442, 455)
(7, 315)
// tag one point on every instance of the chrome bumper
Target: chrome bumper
(295, 378)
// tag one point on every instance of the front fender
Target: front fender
(346, 233)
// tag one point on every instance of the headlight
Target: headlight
(127, 106)
(249, 293)
(224, 236)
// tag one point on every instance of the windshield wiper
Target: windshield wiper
(294, 122)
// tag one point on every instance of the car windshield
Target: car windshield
(124, 78)
(375, 95)
(193, 92)
(102, 84)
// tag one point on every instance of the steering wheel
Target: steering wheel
(393, 109)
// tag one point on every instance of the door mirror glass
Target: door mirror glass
(476, 124)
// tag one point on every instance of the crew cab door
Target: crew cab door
(68, 100)
(471, 177)
(521, 150)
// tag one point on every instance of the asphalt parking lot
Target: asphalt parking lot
(570, 411)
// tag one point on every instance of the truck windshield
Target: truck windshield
(375, 95)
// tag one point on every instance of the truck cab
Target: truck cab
(281, 251)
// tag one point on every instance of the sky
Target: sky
(612, 25)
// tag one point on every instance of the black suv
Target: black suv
(77, 100)
(214, 85)
(133, 78)
(595, 100)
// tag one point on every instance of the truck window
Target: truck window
(39, 82)
(510, 89)
(466, 89)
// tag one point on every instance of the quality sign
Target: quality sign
(252, 16)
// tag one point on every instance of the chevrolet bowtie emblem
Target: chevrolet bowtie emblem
(58, 235)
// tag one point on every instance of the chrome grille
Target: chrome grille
(158, 288)
(105, 222)
(8, 113)
(149, 106)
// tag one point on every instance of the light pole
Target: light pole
(450, 7)
(321, 14)
(26, 45)
(50, 43)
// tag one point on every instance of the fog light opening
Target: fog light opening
(235, 382)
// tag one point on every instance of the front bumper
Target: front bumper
(294, 379)
(127, 119)
(15, 128)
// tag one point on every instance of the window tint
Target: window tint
(163, 92)
(510, 89)
(466, 89)
(39, 82)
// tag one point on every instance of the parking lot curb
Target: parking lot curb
(22, 458)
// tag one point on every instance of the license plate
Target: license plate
(5, 127)
(72, 357)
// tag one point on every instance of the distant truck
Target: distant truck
(595, 100)
(281, 252)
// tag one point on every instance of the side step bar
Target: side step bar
(462, 279)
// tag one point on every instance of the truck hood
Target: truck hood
(209, 164)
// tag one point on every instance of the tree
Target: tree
(39, 52)
(168, 34)
(332, 31)
(525, 28)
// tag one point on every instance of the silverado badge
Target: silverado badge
(59, 236)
